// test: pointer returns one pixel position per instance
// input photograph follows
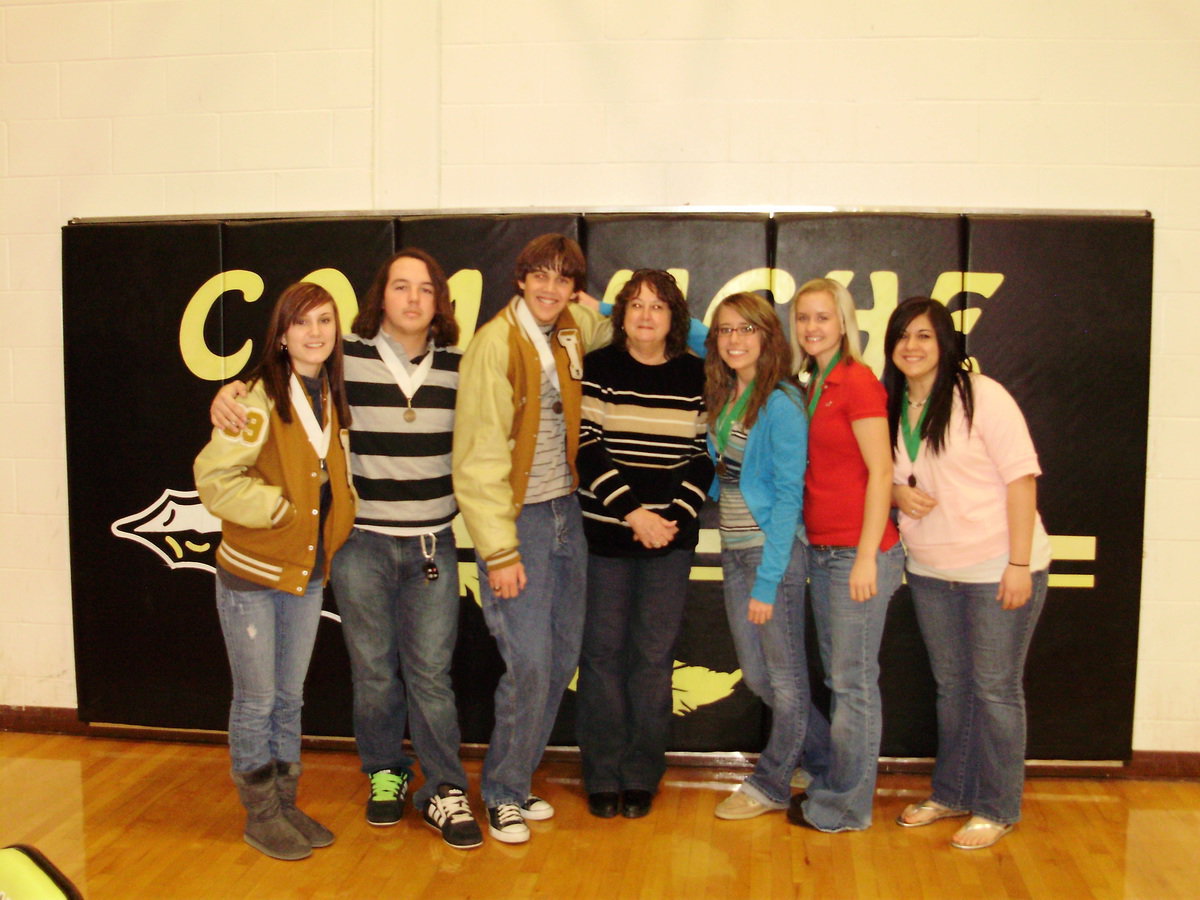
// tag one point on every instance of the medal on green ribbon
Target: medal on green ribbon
(817, 387)
(910, 433)
(731, 412)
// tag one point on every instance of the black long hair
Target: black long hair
(953, 371)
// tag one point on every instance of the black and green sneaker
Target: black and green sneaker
(389, 787)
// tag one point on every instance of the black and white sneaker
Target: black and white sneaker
(389, 787)
(448, 812)
(506, 824)
(536, 809)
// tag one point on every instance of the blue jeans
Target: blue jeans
(774, 666)
(269, 637)
(977, 651)
(849, 635)
(623, 701)
(397, 623)
(538, 633)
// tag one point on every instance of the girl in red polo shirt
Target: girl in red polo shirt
(855, 559)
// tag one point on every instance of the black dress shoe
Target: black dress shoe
(795, 811)
(635, 804)
(604, 804)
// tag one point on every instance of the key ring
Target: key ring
(431, 569)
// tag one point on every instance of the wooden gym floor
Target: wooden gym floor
(130, 819)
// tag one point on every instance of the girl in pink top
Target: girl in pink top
(977, 564)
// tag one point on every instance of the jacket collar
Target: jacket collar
(564, 321)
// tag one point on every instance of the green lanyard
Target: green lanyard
(912, 436)
(816, 389)
(731, 412)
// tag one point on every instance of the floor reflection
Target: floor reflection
(130, 819)
(41, 803)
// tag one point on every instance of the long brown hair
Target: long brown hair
(274, 366)
(444, 327)
(774, 360)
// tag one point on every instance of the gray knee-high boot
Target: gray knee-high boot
(286, 777)
(266, 828)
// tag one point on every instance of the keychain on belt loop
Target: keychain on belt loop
(431, 569)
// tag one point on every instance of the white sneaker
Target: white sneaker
(740, 805)
(535, 809)
(505, 824)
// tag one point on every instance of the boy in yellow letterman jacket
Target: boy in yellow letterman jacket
(515, 437)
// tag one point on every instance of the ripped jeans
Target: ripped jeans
(269, 637)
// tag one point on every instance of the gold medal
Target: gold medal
(410, 415)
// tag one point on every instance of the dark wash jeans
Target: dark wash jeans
(623, 721)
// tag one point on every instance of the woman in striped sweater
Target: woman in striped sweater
(644, 470)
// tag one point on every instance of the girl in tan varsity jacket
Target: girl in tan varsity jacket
(282, 488)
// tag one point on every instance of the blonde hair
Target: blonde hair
(843, 302)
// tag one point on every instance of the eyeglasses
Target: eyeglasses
(727, 330)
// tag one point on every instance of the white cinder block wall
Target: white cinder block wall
(151, 107)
